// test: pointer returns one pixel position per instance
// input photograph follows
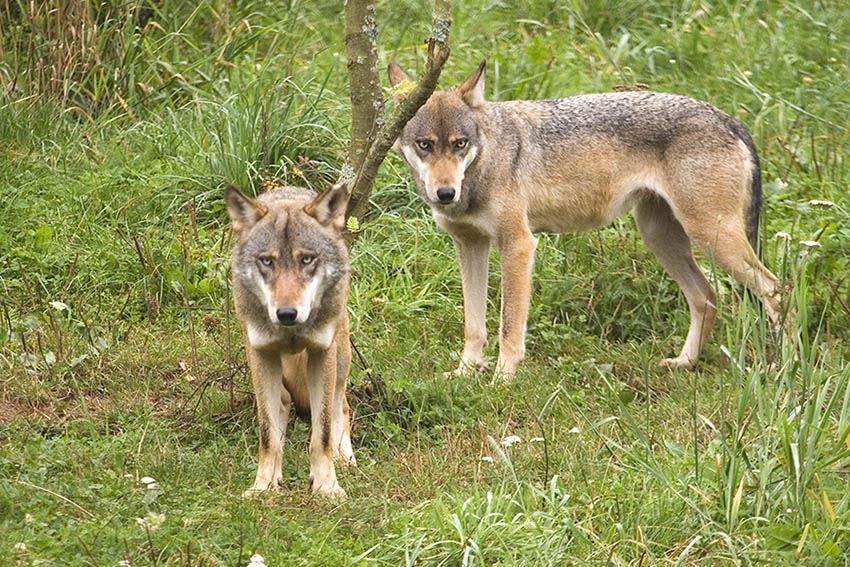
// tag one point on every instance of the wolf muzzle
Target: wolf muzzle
(286, 315)
(446, 194)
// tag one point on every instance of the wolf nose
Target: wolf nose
(446, 194)
(286, 315)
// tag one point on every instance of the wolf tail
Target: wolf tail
(755, 205)
(754, 212)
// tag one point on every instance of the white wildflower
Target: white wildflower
(154, 520)
(536, 440)
(151, 521)
(20, 547)
(574, 430)
(821, 203)
(511, 440)
(28, 519)
(257, 561)
(147, 480)
(783, 235)
(487, 459)
(810, 243)
(125, 563)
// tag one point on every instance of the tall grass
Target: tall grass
(120, 122)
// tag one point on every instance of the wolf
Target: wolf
(290, 276)
(496, 173)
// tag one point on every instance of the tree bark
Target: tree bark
(371, 135)
(367, 100)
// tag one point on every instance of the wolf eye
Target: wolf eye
(462, 143)
(265, 260)
(307, 259)
(423, 145)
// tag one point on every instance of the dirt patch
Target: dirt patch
(59, 409)
(12, 410)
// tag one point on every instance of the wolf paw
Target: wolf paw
(260, 488)
(682, 362)
(465, 368)
(345, 456)
(504, 372)
(330, 488)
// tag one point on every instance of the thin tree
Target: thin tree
(372, 135)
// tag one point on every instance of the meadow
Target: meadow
(127, 426)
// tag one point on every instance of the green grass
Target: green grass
(119, 359)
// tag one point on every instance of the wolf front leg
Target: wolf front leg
(473, 252)
(273, 404)
(321, 379)
(341, 421)
(516, 247)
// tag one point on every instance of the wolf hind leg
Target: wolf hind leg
(726, 243)
(665, 236)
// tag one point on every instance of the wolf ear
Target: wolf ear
(397, 77)
(396, 74)
(329, 207)
(243, 210)
(472, 89)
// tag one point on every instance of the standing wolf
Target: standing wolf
(494, 173)
(290, 287)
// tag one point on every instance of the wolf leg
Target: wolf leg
(516, 248)
(473, 254)
(341, 421)
(321, 379)
(273, 405)
(665, 236)
(727, 244)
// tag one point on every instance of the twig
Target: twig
(835, 288)
(186, 303)
(377, 382)
(35, 298)
(70, 277)
(150, 545)
(57, 495)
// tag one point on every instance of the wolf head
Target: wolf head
(443, 139)
(289, 249)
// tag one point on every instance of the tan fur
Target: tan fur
(302, 359)
(495, 173)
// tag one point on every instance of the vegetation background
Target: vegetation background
(127, 428)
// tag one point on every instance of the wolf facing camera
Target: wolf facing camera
(290, 287)
(495, 173)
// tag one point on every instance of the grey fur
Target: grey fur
(688, 171)
(290, 286)
(280, 232)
